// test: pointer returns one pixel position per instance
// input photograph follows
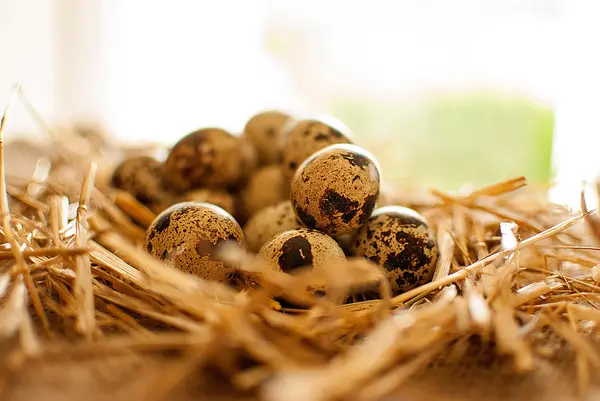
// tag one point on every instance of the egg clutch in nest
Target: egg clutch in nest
(298, 187)
(283, 249)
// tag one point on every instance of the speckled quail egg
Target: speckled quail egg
(400, 240)
(142, 177)
(189, 235)
(266, 187)
(265, 132)
(209, 157)
(335, 189)
(305, 137)
(268, 222)
(302, 247)
(217, 197)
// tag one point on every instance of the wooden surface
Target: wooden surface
(131, 377)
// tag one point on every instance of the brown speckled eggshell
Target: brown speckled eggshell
(188, 236)
(209, 157)
(217, 197)
(400, 240)
(265, 132)
(266, 187)
(141, 176)
(302, 247)
(305, 137)
(335, 190)
(268, 222)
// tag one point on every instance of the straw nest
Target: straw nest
(516, 273)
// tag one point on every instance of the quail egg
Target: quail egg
(302, 247)
(335, 189)
(268, 222)
(266, 187)
(305, 137)
(141, 176)
(400, 240)
(189, 235)
(265, 132)
(209, 157)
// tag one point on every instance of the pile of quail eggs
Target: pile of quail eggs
(305, 194)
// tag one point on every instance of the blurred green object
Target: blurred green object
(448, 140)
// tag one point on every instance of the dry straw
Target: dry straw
(75, 284)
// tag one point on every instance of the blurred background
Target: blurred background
(442, 92)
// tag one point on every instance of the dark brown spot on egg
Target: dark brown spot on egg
(333, 202)
(162, 223)
(386, 237)
(305, 218)
(347, 217)
(417, 247)
(296, 252)
(375, 258)
(411, 257)
(367, 208)
(356, 159)
(407, 279)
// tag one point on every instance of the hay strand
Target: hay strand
(6, 223)
(84, 295)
